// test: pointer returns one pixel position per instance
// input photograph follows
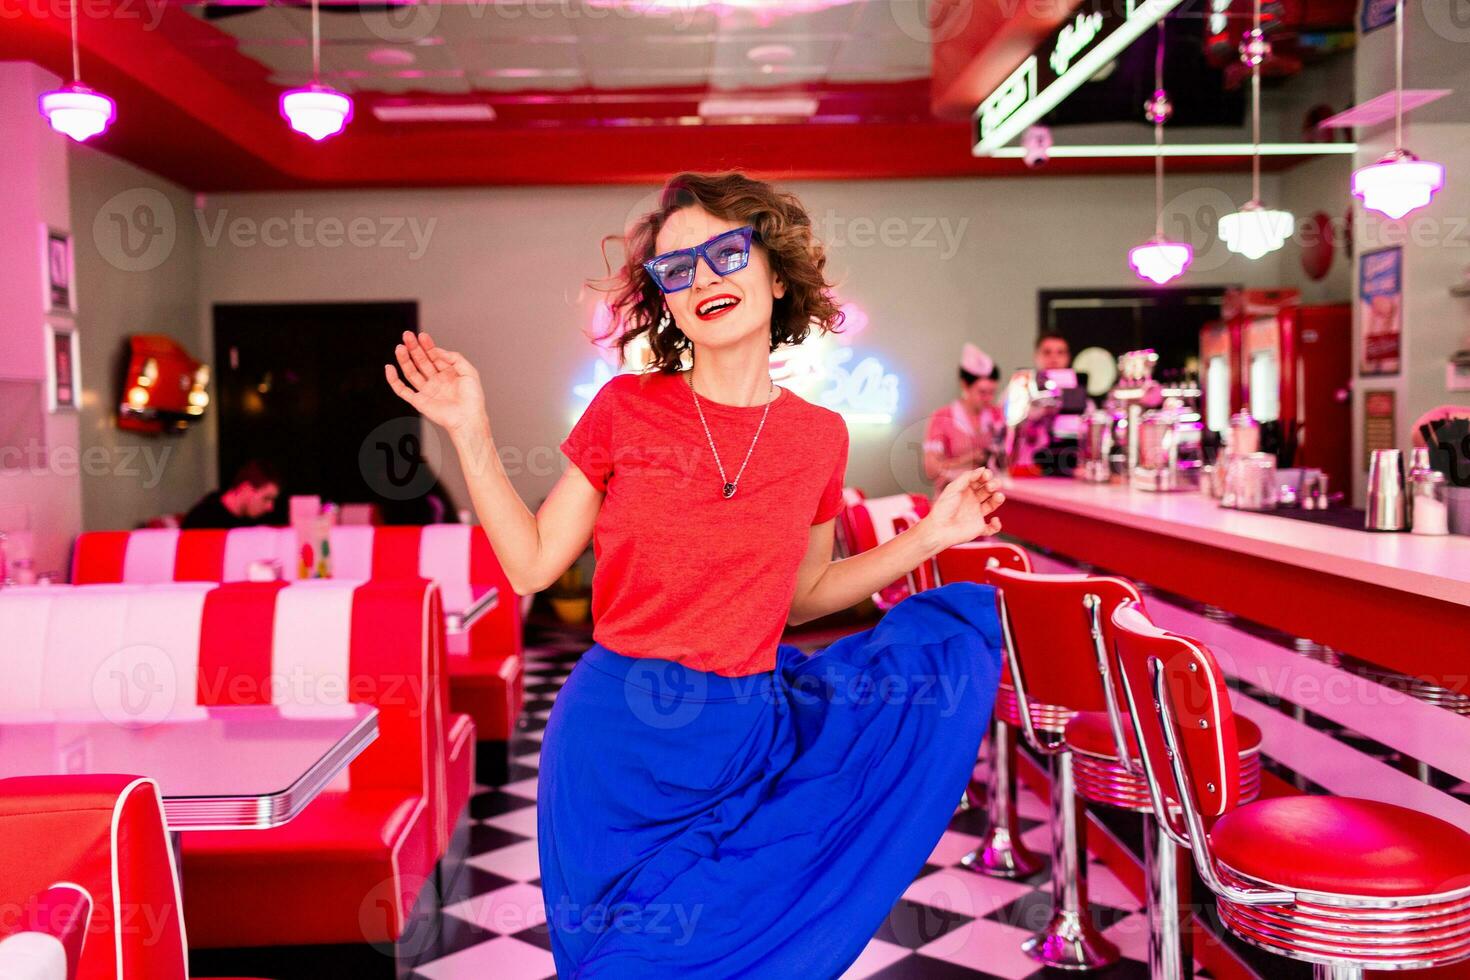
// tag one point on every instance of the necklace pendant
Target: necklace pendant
(729, 490)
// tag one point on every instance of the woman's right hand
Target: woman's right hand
(442, 386)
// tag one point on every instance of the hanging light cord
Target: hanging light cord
(1398, 74)
(1256, 111)
(76, 58)
(316, 43)
(1159, 137)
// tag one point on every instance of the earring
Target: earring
(664, 321)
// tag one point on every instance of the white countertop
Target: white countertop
(1436, 567)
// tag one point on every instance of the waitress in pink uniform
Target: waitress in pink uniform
(714, 803)
(969, 431)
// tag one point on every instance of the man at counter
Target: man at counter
(969, 431)
(1045, 442)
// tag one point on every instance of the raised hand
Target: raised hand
(441, 385)
(963, 511)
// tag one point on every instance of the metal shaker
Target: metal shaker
(1388, 503)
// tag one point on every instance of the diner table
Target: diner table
(217, 768)
(480, 600)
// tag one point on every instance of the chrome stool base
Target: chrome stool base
(1324, 971)
(1000, 853)
(1070, 941)
(1170, 941)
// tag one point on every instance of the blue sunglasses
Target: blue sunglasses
(726, 253)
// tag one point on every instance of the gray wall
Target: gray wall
(138, 275)
(498, 274)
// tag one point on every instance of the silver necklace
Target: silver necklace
(729, 485)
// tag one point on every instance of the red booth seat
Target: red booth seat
(865, 523)
(350, 867)
(103, 839)
(486, 664)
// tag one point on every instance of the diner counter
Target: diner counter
(1398, 601)
(1436, 567)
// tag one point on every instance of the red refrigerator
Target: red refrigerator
(1291, 366)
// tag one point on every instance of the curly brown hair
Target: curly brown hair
(782, 227)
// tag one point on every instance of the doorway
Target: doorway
(1116, 321)
(301, 385)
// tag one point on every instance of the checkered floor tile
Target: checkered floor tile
(950, 923)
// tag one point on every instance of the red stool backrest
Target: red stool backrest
(973, 561)
(1196, 705)
(105, 834)
(1050, 624)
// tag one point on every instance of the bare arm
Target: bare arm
(533, 549)
(962, 513)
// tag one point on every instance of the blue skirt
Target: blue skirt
(707, 827)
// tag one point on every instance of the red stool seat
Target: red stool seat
(1100, 779)
(1340, 846)
(1046, 717)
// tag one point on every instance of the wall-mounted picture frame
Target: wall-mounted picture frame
(59, 271)
(63, 368)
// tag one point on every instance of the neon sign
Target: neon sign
(823, 370)
(1077, 51)
(1073, 38)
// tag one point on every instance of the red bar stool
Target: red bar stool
(1047, 622)
(1105, 760)
(1347, 885)
(1000, 854)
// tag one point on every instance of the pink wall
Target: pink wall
(39, 494)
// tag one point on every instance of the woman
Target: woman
(712, 803)
(969, 431)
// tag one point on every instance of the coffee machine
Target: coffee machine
(1148, 432)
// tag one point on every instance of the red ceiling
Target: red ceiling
(178, 118)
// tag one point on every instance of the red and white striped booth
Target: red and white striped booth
(485, 664)
(105, 853)
(865, 523)
(373, 838)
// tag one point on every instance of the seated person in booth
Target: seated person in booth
(249, 500)
(693, 762)
(970, 431)
(1047, 440)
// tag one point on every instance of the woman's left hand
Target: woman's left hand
(963, 510)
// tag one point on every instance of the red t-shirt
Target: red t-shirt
(684, 574)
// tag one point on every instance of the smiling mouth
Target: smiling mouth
(716, 306)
